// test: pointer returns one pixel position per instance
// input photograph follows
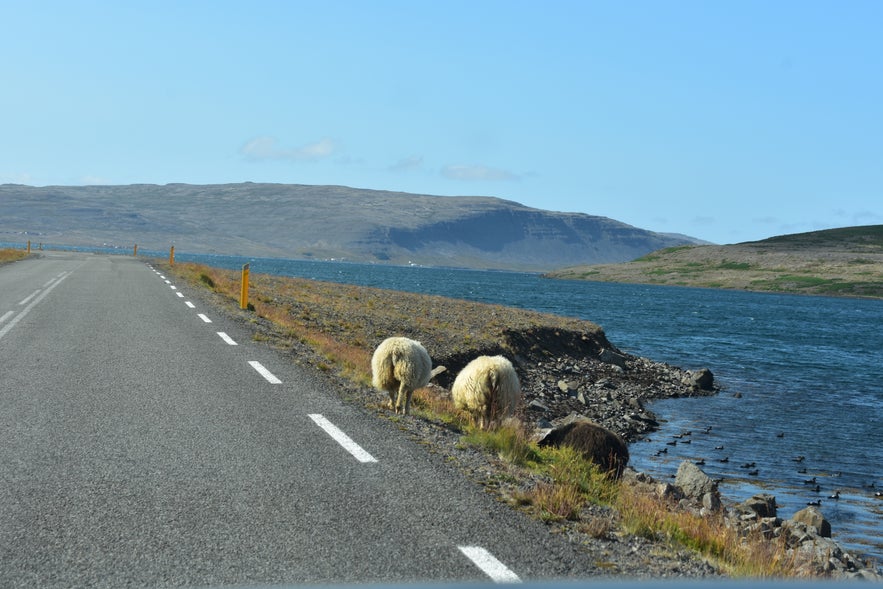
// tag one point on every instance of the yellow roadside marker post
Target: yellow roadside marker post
(243, 293)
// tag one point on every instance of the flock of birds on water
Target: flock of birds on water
(813, 485)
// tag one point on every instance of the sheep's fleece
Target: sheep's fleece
(487, 388)
(400, 365)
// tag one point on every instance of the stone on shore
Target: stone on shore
(597, 444)
(761, 505)
(701, 379)
(812, 517)
(693, 482)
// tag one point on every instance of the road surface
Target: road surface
(148, 442)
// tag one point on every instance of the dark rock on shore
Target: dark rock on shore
(597, 444)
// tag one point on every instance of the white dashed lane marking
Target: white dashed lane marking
(6, 316)
(341, 438)
(204, 318)
(487, 562)
(227, 338)
(180, 294)
(271, 378)
(189, 304)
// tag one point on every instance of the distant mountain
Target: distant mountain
(847, 261)
(322, 222)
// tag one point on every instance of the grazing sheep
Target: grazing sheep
(597, 444)
(488, 389)
(399, 366)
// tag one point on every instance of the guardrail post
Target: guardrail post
(243, 292)
(172, 256)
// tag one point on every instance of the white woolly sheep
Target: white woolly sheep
(400, 366)
(488, 389)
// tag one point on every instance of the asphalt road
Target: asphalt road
(141, 448)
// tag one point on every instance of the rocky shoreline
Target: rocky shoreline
(567, 368)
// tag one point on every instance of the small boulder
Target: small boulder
(537, 405)
(711, 502)
(761, 505)
(567, 386)
(597, 444)
(702, 379)
(813, 517)
(609, 356)
(693, 482)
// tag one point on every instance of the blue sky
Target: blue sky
(725, 120)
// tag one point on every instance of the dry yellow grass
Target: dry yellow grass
(11, 255)
(753, 556)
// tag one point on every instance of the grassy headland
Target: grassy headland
(834, 262)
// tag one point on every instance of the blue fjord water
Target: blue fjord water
(801, 377)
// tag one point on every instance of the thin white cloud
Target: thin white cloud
(407, 164)
(477, 172)
(268, 148)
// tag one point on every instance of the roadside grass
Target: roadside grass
(11, 255)
(567, 483)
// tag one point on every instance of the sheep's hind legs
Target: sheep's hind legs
(404, 400)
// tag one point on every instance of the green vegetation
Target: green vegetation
(836, 262)
(725, 265)
(653, 256)
(864, 236)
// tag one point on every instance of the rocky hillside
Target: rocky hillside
(843, 262)
(321, 222)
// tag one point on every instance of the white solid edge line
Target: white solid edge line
(189, 304)
(32, 295)
(341, 438)
(271, 378)
(203, 317)
(487, 562)
(227, 338)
